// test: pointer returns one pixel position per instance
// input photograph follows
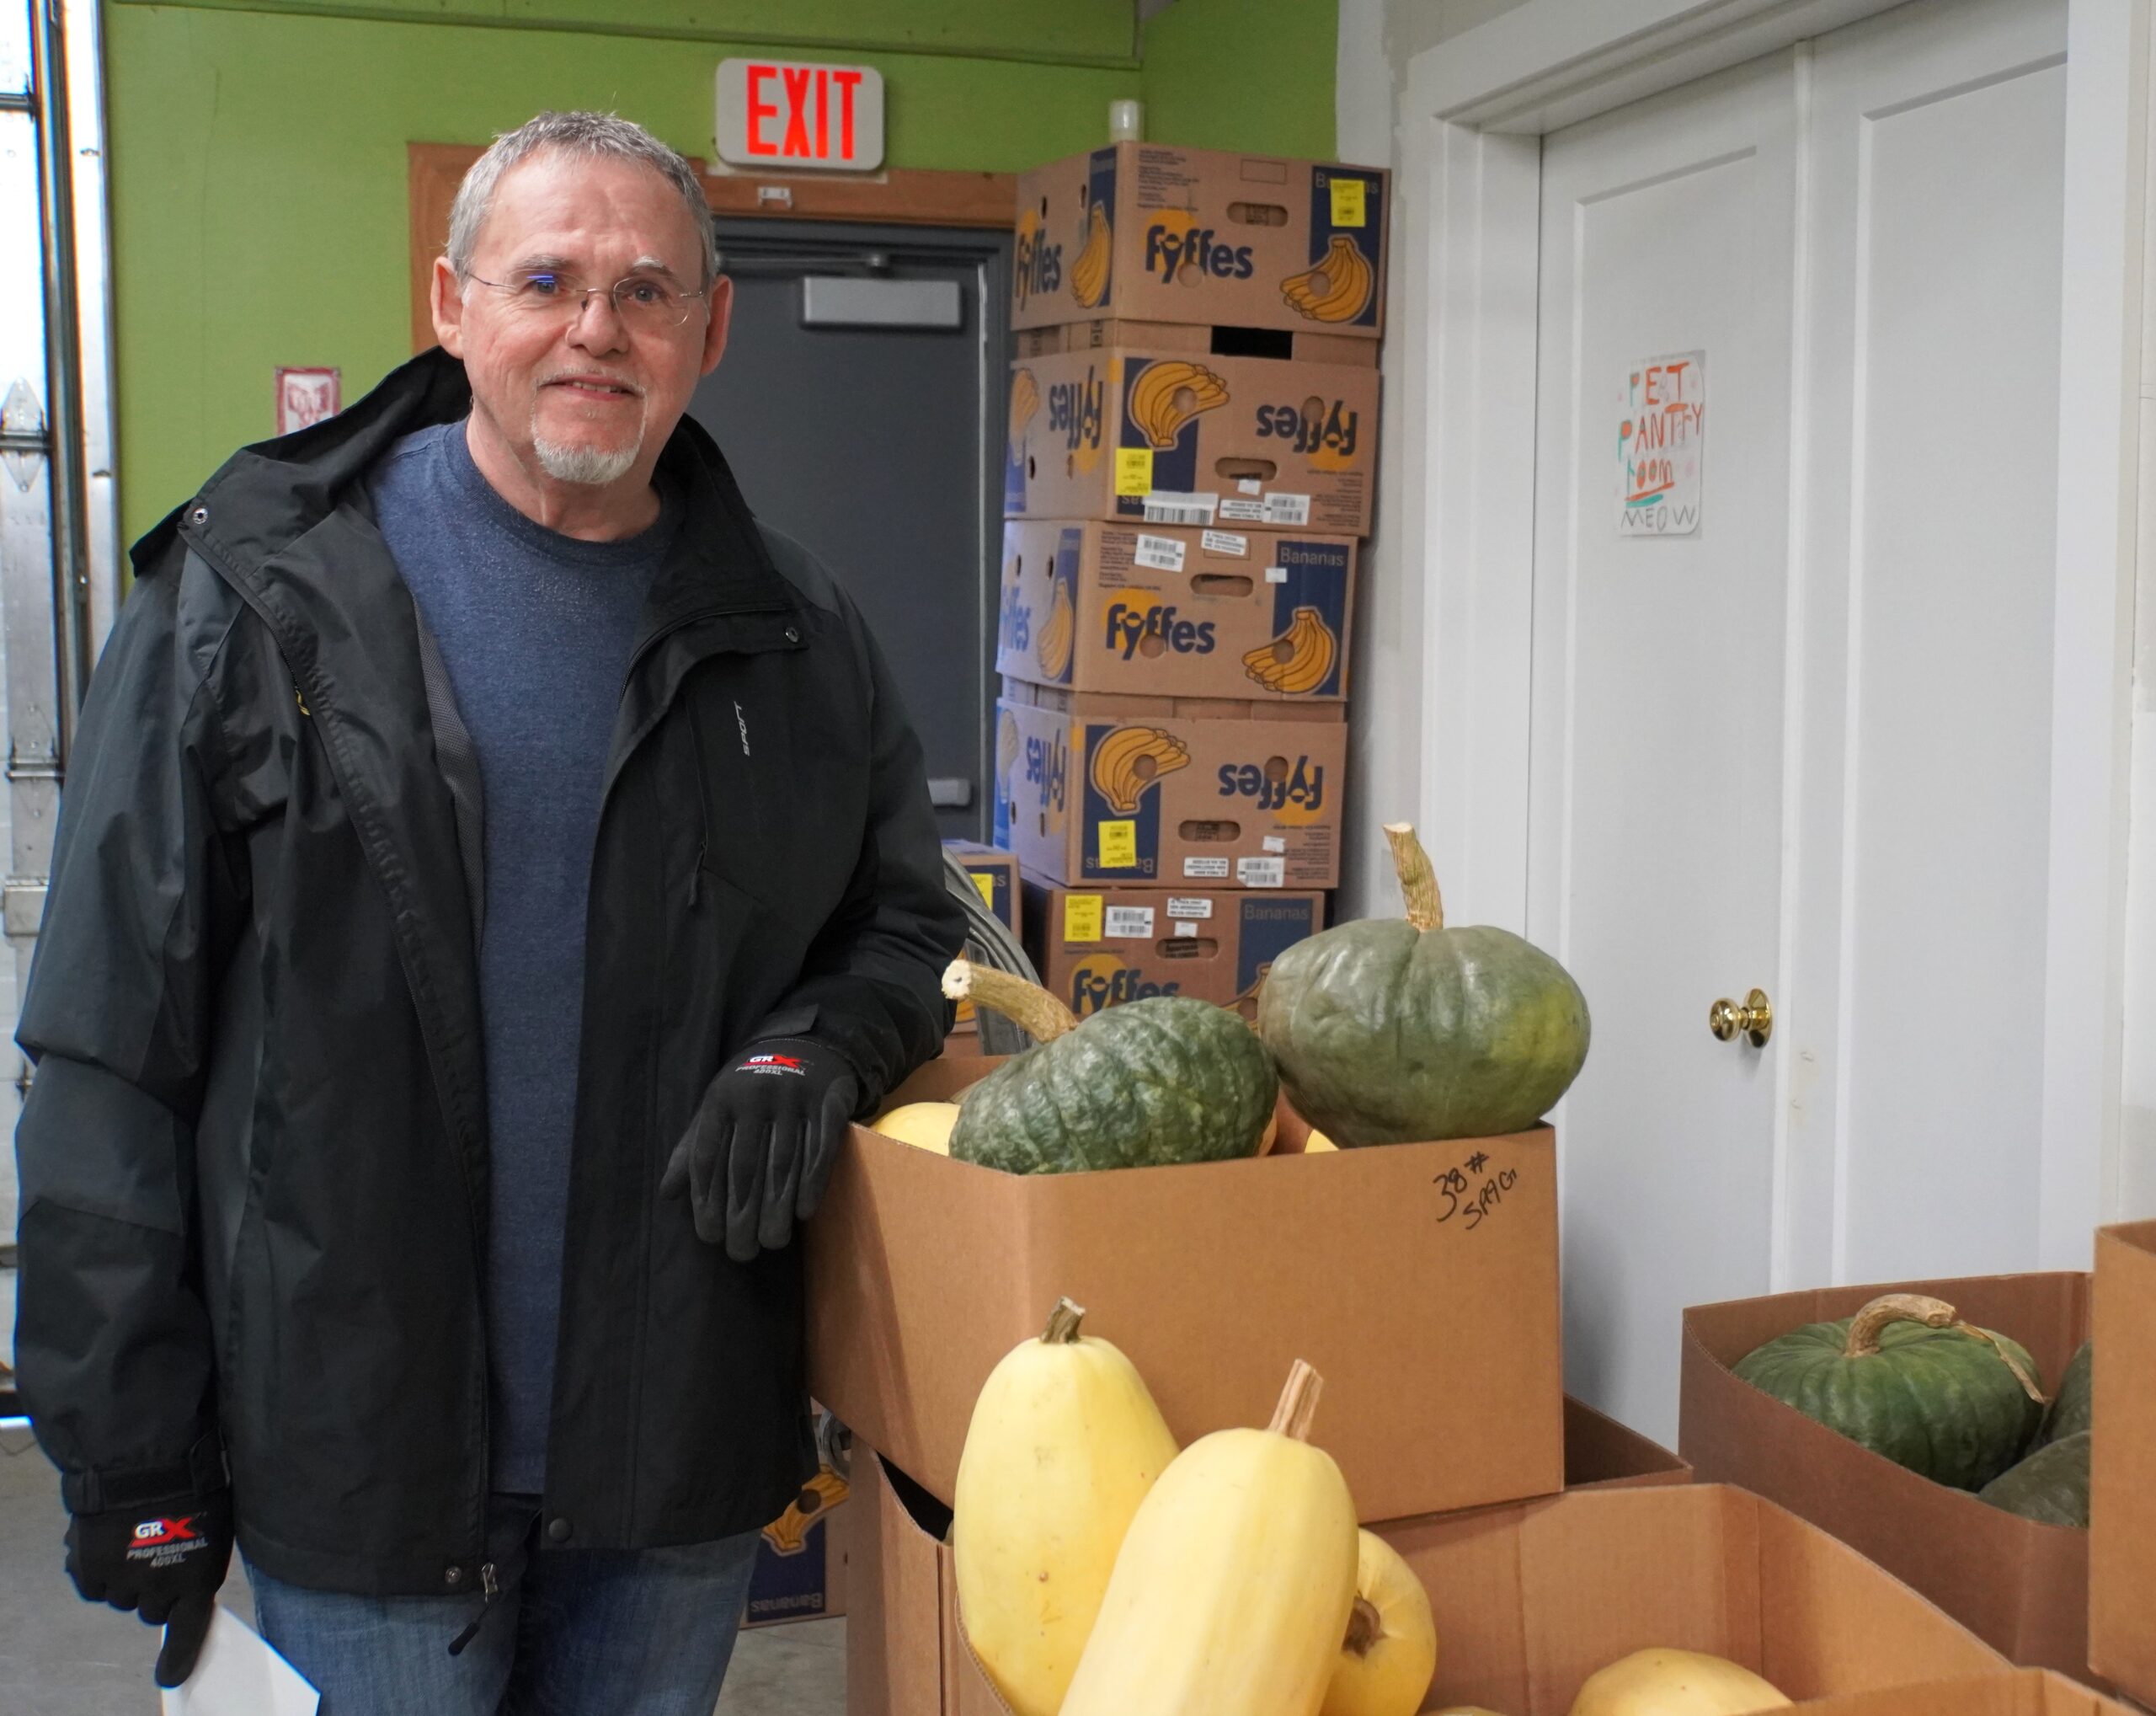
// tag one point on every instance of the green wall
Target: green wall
(258, 155)
(1243, 74)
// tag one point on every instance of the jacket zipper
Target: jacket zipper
(474, 1221)
(703, 811)
(488, 1589)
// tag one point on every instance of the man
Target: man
(493, 869)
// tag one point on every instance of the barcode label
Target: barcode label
(1212, 870)
(1275, 842)
(1130, 923)
(1174, 506)
(1189, 905)
(1184, 932)
(1161, 553)
(1262, 872)
(1287, 509)
(1225, 541)
(1248, 485)
(1276, 574)
(1245, 511)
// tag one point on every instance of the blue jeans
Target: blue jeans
(573, 1632)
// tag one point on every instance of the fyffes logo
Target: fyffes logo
(1101, 980)
(1171, 245)
(1039, 263)
(1048, 769)
(1314, 428)
(1293, 793)
(1129, 625)
(1074, 410)
(1014, 622)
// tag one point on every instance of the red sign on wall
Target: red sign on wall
(305, 396)
(796, 116)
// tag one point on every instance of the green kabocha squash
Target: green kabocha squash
(1387, 1031)
(2050, 1486)
(2072, 1406)
(1909, 1379)
(1148, 1083)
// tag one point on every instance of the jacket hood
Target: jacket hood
(268, 495)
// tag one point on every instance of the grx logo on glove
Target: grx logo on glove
(163, 1542)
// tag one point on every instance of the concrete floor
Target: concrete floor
(60, 1656)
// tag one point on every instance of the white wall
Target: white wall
(1378, 38)
(2136, 1189)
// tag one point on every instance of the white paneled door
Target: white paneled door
(1796, 447)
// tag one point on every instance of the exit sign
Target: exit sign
(799, 116)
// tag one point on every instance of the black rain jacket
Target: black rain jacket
(254, 1157)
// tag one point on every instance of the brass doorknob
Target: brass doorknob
(1754, 1019)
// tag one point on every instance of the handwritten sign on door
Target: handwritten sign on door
(1662, 442)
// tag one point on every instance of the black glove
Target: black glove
(762, 1147)
(165, 1560)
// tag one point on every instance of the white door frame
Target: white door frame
(1470, 122)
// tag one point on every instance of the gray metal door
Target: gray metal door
(861, 403)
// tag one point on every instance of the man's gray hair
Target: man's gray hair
(592, 136)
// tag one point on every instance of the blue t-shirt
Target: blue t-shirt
(535, 630)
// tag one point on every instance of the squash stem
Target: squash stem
(1893, 1307)
(1298, 1405)
(1063, 1324)
(1030, 1008)
(1934, 1314)
(2028, 1383)
(1418, 882)
(1365, 1627)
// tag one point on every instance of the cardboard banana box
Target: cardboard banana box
(1155, 792)
(1202, 235)
(996, 874)
(1162, 610)
(1143, 436)
(1100, 947)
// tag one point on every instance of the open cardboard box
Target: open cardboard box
(2123, 1472)
(1529, 1599)
(2023, 1587)
(2029, 1691)
(1421, 1280)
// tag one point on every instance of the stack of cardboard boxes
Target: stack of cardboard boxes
(1191, 453)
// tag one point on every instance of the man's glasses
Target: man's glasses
(547, 294)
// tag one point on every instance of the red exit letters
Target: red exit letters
(786, 113)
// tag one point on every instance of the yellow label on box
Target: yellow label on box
(1118, 845)
(984, 883)
(1347, 202)
(1133, 470)
(1081, 913)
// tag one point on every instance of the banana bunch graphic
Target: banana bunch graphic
(1300, 660)
(1006, 742)
(1059, 631)
(1025, 400)
(1169, 394)
(1338, 289)
(789, 1532)
(1130, 759)
(1088, 268)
